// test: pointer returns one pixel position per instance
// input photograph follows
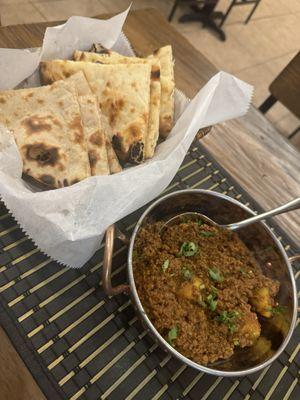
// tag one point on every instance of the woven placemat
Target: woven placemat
(78, 343)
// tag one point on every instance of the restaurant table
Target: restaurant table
(265, 164)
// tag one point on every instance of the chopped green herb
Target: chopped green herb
(236, 342)
(277, 310)
(207, 234)
(214, 290)
(199, 222)
(172, 335)
(215, 275)
(228, 318)
(188, 249)
(165, 265)
(211, 300)
(187, 274)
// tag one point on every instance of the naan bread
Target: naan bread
(123, 94)
(93, 131)
(164, 54)
(96, 141)
(46, 124)
(113, 162)
(105, 56)
(155, 96)
(81, 84)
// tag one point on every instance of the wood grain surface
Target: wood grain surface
(16, 383)
(250, 148)
(286, 87)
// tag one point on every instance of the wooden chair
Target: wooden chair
(286, 89)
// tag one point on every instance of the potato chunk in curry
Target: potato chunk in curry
(248, 331)
(191, 290)
(262, 301)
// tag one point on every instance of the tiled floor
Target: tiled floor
(255, 52)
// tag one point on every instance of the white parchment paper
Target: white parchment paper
(68, 224)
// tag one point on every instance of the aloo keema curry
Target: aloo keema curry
(203, 290)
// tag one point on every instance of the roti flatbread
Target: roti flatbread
(46, 124)
(81, 84)
(93, 131)
(105, 56)
(96, 141)
(123, 94)
(166, 119)
(155, 96)
(113, 162)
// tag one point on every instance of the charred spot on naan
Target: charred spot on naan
(28, 95)
(42, 154)
(93, 158)
(36, 124)
(56, 122)
(136, 153)
(114, 108)
(2, 100)
(45, 76)
(166, 124)
(117, 142)
(48, 180)
(155, 74)
(76, 127)
(99, 49)
(96, 138)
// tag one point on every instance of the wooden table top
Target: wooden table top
(249, 148)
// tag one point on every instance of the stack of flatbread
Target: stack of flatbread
(100, 108)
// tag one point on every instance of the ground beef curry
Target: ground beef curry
(201, 288)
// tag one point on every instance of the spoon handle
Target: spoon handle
(291, 205)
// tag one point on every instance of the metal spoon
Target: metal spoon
(291, 205)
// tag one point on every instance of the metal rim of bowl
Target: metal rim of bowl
(154, 331)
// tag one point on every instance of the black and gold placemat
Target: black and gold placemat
(80, 344)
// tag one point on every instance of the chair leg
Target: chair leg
(171, 15)
(227, 13)
(267, 104)
(252, 11)
(294, 133)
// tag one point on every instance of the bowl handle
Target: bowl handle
(110, 235)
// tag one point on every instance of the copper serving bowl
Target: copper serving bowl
(257, 238)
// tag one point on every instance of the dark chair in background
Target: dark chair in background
(241, 3)
(286, 89)
(207, 15)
